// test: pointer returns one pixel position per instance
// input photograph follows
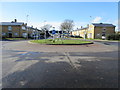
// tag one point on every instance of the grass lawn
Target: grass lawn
(13, 39)
(76, 38)
(50, 41)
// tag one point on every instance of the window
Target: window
(89, 35)
(9, 28)
(103, 34)
(98, 34)
(24, 34)
(104, 29)
(3, 34)
(23, 28)
(15, 34)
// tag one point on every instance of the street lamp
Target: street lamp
(27, 24)
(36, 33)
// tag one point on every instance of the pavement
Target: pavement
(26, 65)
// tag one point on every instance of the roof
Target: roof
(81, 29)
(103, 25)
(11, 23)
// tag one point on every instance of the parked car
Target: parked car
(103, 37)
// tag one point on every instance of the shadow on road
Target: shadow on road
(89, 74)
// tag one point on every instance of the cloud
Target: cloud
(79, 24)
(38, 24)
(57, 24)
(96, 20)
(115, 22)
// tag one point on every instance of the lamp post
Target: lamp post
(27, 24)
(45, 30)
(36, 33)
(85, 35)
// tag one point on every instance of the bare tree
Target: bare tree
(46, 27)
(67, 25)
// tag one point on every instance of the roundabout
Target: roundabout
(62, 42)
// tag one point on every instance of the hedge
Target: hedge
(113, 37)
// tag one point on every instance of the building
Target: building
(16, 29)
(95, 31)
(13, 29)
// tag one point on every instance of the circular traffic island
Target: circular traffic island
(61, 42)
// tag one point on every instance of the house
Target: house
(16, 29)
(95, 31)
(13, 29)
(31, 31)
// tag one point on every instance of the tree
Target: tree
(67, 25)
(45, 29)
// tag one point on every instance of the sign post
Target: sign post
(53, 32)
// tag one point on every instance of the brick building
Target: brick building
(16, 29)
(95, 30)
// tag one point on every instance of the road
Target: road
(28, 65)
(115, 43)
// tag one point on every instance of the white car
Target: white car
(103, 37)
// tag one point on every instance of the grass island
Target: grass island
(61, 42)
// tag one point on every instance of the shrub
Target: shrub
(113, 37)
(76, 36)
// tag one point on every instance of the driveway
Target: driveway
(28, 65)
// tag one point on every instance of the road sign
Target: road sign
(53, 31)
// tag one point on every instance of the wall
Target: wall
(15, 29)
(99, 30)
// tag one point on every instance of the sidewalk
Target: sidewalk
(106, 40)
(96, 40)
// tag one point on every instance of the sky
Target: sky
(54, 13)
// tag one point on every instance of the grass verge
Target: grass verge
(12, 39)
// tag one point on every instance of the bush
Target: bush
(113, 37)
(71, 36)
(76, 36)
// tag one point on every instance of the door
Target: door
(90, 35)
(10, 35)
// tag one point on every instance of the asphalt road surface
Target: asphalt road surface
(28, 65)
(114, 43)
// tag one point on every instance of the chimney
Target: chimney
(15, 20)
